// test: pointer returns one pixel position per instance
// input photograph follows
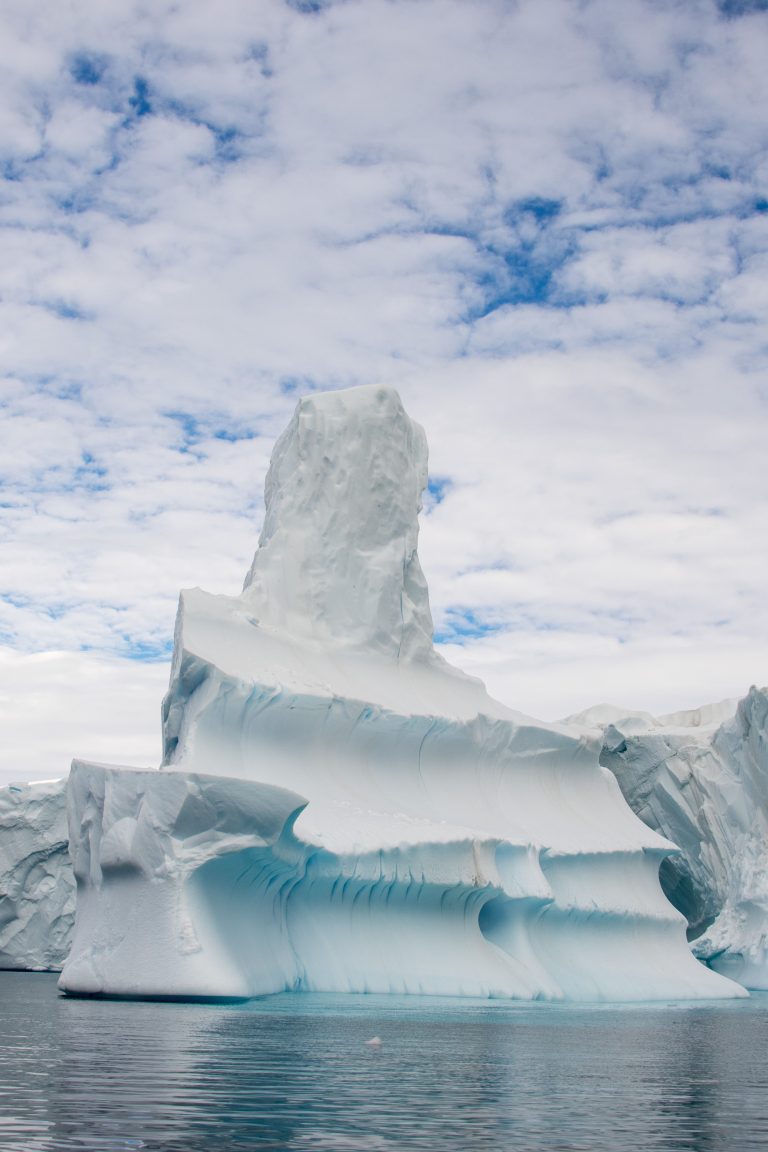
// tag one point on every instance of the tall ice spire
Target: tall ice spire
(337, 560)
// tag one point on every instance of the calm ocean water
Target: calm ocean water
(294, 1072)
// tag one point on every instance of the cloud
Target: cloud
(554, 674)
(58, 705)
(543, 222)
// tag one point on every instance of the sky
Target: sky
(545, 222)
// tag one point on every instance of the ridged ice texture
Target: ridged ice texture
(443, 844)
(705, 786)
(37, 891)
(146, 926)
(199, 886)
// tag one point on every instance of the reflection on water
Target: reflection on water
(295, 1073)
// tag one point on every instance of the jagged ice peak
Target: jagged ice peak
(337, 560)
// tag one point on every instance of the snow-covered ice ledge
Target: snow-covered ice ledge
(339, 809)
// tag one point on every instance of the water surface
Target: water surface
(294, 1072)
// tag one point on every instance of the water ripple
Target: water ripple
(450, 1076)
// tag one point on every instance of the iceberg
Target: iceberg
(37, 889)
(339, 809)
(700, 778)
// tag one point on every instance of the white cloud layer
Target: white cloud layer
(56, 705)
(545, 223)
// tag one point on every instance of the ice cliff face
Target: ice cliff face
(420, 836)
(702, 780)
(37, 890)
(179, 880)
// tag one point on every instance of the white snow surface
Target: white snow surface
(37, 890)
(704, 784)
(432, 840)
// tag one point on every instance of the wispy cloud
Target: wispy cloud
(546, 223)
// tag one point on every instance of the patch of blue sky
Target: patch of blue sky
(90, 193)
(132, 648)
(188, 424)
(60, 387)
(64, 309)
(56, 610)
(680, 197)
(213, 426)
(140, 100)
(521, 275)
(676, 208)
(524, 267)
(233, 435)
(541, 208)
(308, 7)
(718, 171)
(259, 53)
(146, 651)
(229, 138)
(11, 170)
(76, 201)
(297, 385)
(224, 428)
(190, 431)
(528, 270)
(15, 599)
(734, 8)
(463, 624)
(59, 481)
(228, 143)
(88, 68)
(438, 488)
(91, 475)
(231, 143)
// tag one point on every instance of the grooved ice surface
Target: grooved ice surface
(37, 891)
(432, 840)
(168, 897)
(702, 780)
